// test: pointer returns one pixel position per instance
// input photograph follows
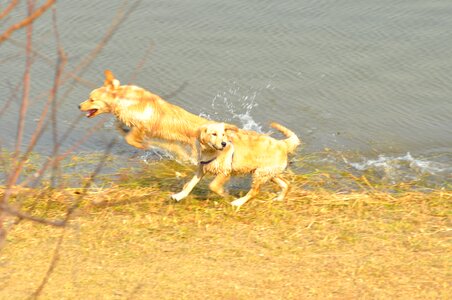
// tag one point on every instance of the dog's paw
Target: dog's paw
(278, 198)
(238, 203)
(221, 193)
(177, 197)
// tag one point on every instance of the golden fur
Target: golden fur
(226, 151)
(152, 120)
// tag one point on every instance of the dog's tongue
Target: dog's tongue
(91, 112)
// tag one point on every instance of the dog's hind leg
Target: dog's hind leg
(284, 184)
(255, 186)
(135, 138)
(217, 185)
(174, 148)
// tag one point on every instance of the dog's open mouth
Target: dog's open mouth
(91, 112)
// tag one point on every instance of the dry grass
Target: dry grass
(131, 242)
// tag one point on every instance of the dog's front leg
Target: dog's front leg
(195, 151)
(188, 187)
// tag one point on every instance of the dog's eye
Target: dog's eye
(91, 100)
(214, 134)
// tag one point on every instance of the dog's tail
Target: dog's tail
(292, 140)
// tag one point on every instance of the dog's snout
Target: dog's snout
(79, 106)
(223, 144)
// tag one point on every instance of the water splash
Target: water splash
(234, 105)
(237, 102)
(156, 154)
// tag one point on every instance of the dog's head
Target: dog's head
(101, 99)
(215, 135)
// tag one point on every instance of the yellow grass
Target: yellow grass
(129, 241)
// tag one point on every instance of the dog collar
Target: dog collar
(211, 160)
(207, 162)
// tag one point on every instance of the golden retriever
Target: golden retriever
(226, 151)
(152, 120)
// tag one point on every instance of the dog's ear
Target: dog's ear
(110, 80)
(230, 127)
(202, 134)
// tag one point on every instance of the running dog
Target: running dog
(152, 120)
(225, 151)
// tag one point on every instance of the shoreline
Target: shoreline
(347, 171)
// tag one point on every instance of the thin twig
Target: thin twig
(53, 95)
(177, 91)
(53, 264)
(9, 8)
(22, 215)
(141, 63)
(19, 161)
(26, 86)
(38, 175)
(11, 98)
(27, 21)
(70, 211)
(22, 114)
(122, 15)
(50, 62)
(41, 125)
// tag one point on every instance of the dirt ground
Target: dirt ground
(132, 243)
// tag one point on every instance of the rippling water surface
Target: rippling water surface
(372, 78)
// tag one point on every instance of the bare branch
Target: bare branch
(121, 16)
(70, 211)
(53, 96)
(177, 91)
(38, 175)
(10, 99)
(22, 215)
(9, 8)
(141, 63)
(50, 62)
(27, 21)
(53, 264)
(26, 86)
(41, 126)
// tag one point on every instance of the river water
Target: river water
(368, 80)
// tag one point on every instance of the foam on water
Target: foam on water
(385, 162)
(405, 167)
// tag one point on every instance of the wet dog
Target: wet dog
(225, 151)
(152, 120)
